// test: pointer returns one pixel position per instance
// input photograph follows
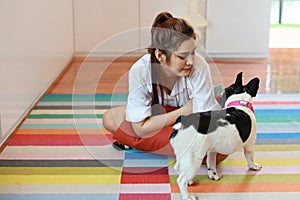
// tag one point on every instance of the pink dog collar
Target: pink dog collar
(241, 103)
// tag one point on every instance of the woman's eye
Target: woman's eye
(181, 57)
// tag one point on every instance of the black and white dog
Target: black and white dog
(208, 133)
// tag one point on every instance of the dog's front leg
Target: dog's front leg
(249, 155)
(183, 186)
(212, 166)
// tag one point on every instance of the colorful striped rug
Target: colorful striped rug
(61, 151)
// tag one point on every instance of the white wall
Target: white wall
(115, 27)
(235, 28)
(36, 40)
(96, 21)
(238, 28)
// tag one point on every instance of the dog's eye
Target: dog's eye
(230, 90)
(231, 87)
(239, 90)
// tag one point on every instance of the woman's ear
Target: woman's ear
(160, 56)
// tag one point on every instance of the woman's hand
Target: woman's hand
(157, 122)
(187, 108)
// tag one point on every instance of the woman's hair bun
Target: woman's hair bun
(161, 18)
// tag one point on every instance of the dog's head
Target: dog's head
(250, 88)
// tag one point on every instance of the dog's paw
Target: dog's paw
(190, 182)
(213, 174)
(192, 197)
(255, 167)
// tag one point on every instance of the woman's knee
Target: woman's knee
(113, 118)
(108, 121)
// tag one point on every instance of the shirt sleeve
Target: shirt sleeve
(202, 87)
(139, 97)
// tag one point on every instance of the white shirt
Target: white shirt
(197, 86)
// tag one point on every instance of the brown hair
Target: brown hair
(167, 34)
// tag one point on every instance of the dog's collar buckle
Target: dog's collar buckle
(241, 103)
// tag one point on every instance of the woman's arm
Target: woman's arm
(154, 123)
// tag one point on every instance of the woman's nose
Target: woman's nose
(189, 60)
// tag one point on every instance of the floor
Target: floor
(61, 150)
(279, 73)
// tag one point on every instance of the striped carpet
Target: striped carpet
(61, 151)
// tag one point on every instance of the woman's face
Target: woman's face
(182, 59)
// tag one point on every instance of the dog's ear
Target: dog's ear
(239, 79)
(252, 87)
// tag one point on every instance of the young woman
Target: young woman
(171, 80)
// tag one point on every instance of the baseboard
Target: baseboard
(142, 52)
(239, 55)
(110, 54)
